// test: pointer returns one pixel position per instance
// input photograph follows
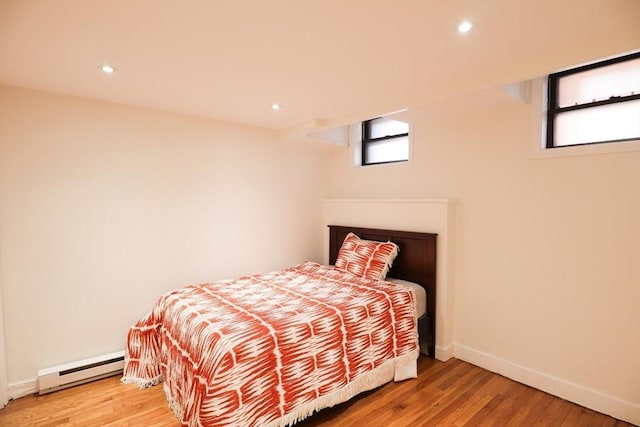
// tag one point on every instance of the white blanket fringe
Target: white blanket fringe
(398, 369)
(395, 369)
(173, 405)
(142, 382)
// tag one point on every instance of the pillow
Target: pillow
(366, 258)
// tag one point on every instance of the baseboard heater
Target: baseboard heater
(80, 372)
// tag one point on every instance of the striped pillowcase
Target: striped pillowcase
(366, 258)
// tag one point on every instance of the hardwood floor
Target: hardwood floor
(454, 393)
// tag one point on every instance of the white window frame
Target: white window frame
(355, 132)
(538, 145)
(557, 90)
(368, 139)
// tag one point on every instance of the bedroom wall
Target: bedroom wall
(104, 207)
(547, 278)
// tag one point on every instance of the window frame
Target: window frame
(553, 110)
(366, 140)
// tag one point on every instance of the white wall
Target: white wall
(547, 278)
(104, 207)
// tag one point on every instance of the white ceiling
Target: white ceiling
(326, 62)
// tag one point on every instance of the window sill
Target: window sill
(584, 150)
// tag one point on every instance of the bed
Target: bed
(416, 263)
(271, 349)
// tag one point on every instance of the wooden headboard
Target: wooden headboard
(416, 262)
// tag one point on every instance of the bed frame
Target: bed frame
(416, 262)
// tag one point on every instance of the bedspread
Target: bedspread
(271, 349)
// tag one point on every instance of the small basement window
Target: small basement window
(595, 103)
(384, 140)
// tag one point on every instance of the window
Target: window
(595, 103)
(384, 141)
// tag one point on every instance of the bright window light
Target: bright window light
(595, 103)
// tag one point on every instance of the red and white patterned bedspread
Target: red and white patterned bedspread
(271, 349)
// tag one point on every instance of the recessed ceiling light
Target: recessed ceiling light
(275, 106)
(464, 27)
(107, 69)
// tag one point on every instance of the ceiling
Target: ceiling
(326, 62)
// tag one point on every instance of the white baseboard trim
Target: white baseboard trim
(589, 398)
(22, 388)
(444, 353)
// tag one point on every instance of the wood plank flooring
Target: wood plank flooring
(453, 393)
